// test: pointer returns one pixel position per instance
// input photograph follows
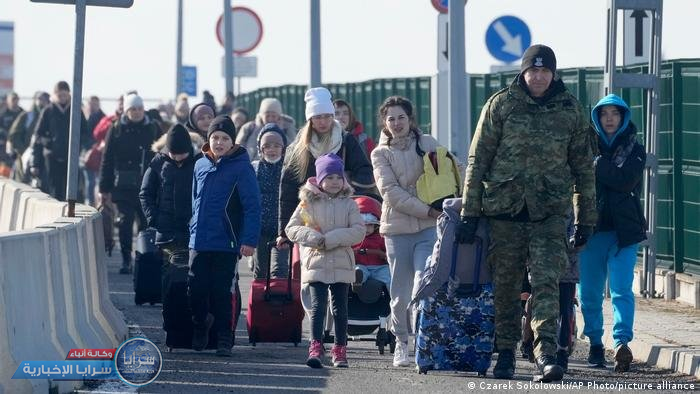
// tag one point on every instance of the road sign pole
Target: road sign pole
(75, 108)
(459, 133)
(228, 45)
(315, 44)
(178, 60)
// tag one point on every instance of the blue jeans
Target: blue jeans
(378, 272)
(601, 259)
(90, 182)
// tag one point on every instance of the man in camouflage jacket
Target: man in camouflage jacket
(530, 155)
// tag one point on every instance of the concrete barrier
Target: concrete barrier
(28, 297)
(54, 293)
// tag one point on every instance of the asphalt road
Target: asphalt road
(280, 368)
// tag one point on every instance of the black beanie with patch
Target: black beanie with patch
(224, 124)
(178, 140)
(539, 56)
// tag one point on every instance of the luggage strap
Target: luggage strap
(271, 245)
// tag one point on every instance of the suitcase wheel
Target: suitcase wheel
(423, 370)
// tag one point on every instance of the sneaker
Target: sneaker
(563, 359)
(315, 359)
(340, 359)
(623, 358)
(505, 365)
(200, 333)
(596, 356)
(548, 368)
(401, 354)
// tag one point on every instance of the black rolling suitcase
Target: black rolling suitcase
(147, 269)
(177, 314)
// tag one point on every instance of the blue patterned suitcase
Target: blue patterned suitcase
(455, 325)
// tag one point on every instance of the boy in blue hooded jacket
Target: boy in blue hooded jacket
(225, 224)
(611, 252)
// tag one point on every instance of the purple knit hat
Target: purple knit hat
(329, 164)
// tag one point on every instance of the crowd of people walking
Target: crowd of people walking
(558, 188)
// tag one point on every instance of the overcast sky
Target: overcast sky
(361, 39)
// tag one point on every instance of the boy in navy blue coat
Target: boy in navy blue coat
(225, 224)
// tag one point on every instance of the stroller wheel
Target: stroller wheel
(382, 339)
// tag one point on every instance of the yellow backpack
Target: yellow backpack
(440, 179)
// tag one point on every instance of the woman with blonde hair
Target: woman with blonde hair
(319, 136)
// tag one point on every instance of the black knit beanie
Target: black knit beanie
(539, 56)
(222, 123)
(178, 140)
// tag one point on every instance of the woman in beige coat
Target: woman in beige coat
(326, 224)
(407, 223)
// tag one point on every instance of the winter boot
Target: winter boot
(224, 342)
(548, 368)
(505, 364)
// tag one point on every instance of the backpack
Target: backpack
(440, 179)
(437, 271)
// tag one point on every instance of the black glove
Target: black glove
(466, 230)
(581, 234)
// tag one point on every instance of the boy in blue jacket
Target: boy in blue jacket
(225, 224)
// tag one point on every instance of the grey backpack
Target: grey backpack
(437, 270)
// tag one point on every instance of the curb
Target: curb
(651, 349)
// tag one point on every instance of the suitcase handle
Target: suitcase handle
(477, 267)
(272, 245)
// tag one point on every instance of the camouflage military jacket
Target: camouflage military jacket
(528, 153)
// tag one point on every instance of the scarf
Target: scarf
(623, 151)
(331, 144)
(403, 142)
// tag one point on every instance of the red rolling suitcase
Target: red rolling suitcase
(274, 308)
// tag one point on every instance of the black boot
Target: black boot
(126, 263)
(549, 370)
(200, 333)
(596, 356)
(563, 359)
(505, 365)
(224, 343)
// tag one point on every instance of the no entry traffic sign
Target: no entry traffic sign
(247, 30)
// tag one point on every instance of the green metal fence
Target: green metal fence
(678, 206)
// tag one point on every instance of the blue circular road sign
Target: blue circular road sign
(507, 38)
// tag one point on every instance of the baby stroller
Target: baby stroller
(368, 311)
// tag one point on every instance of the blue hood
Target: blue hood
(610, 99)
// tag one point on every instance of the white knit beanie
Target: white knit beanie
(318, 102)
(132, 100)
(270, 104)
